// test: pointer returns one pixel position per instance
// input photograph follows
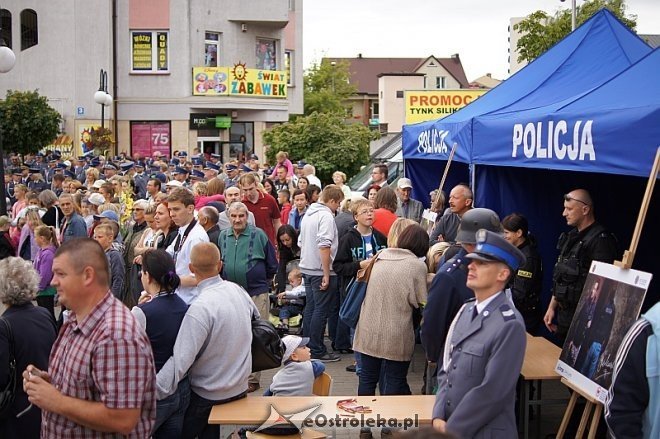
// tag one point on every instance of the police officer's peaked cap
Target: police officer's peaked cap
(180, 170)
(476, 219)
(493, 247)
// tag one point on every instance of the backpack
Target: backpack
(267, 347)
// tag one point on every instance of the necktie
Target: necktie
(475, 313)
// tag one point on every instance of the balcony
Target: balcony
(270, 13)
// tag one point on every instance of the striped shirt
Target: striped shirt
(106, 357)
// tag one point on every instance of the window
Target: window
(374, 110)
(241, 138)
(211, 46)
(29, 31)
(150, 52)
(266, 55)
(5, 27)
(440, 82)
(292, 5)
(288, 66)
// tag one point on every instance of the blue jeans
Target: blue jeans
(340, 332)
(317, 309)
(590, 363)
(196, 421)
(374, 370)
(170, 412)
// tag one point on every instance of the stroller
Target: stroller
(295, 320)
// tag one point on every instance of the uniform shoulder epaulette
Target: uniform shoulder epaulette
(455, 263)
(507, 312)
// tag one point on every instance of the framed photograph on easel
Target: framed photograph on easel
(611, 300)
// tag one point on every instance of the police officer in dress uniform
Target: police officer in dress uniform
(588, 241)
(448, 290)
(485, 349)
(140, 180)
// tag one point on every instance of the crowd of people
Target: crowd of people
(159, 266)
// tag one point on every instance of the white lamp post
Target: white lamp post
(101, 96)
(7, 61)
(572, 13)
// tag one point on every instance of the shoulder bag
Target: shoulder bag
(349, 313)
(267, 347)
(8, 394)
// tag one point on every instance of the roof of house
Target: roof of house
(652, 40)
(364, 71)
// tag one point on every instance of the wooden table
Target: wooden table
(539, 365)
(413, 410)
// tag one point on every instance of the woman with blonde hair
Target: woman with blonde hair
(46, 239)
(91, 175)
(27, 247)
(397, 227)
(339, 179)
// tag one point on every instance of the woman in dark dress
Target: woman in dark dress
(53, 216)
(33, 332)
(167, 230)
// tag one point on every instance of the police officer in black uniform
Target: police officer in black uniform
(526, 284)
(588, 241)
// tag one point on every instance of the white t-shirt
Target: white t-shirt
(182, 257)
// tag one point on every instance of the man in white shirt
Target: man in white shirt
(181, 204)
(309, 171)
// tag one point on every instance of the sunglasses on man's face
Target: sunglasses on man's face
(567, 197)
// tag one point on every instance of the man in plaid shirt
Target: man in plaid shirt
(101, 376)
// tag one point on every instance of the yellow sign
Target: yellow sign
(423, 105)
(239, 81)
(142, 46)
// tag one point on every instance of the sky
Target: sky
(475, 29)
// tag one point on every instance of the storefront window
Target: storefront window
(266, 55)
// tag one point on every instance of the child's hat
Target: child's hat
(292, 342)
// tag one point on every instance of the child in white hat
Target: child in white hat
(296, 377)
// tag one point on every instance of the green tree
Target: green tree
(327, 88)
(540, 31)
(323, 139)
(28, 123)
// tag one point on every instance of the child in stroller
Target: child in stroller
(290, 303)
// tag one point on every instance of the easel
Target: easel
(625, 263)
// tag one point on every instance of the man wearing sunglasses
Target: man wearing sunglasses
(588, 241)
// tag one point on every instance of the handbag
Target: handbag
(267, 346)
(8, 394)
(349, 312)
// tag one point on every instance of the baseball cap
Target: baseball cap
(404, 183)
(291, 343)
(96, 199)
(174, 183)
(109, 214)
(98, 183)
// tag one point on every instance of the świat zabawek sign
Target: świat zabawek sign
(239, 81)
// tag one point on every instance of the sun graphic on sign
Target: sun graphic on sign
(239, 71)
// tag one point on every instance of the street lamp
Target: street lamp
(7, 61)
(572, 13)
(101, 96)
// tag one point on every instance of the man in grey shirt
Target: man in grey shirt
(446, 227)
(212, 345)
(232, 194)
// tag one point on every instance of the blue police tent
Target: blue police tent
(595, 52)
(604, 141)
(503, 137)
